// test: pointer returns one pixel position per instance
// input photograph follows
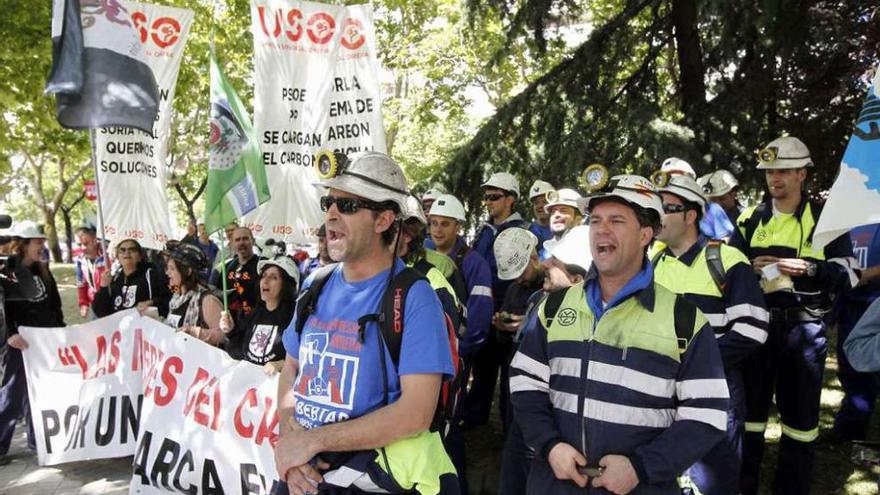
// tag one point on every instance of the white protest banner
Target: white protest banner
(208, 422)
(84, 389)
(131, 164)
(316, 87)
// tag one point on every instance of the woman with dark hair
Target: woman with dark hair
(137, 284)
(257, 338)
(41, 310)
(193, 309)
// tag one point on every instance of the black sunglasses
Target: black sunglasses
(673, 208)
(349, 206)
(493, 197)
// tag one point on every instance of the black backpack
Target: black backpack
(391, 323)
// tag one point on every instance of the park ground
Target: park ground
(835, 471)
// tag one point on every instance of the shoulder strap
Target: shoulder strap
(656, 257)
(392, 310)
(551, 305)
(308, 298)
(685, 314)
(422, 266)
(459, 257)
(715, 265)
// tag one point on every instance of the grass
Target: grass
(834, 472)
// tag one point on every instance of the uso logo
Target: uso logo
(164, 31)
(319, 28)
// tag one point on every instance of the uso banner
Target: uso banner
(131, 163)
(84, 389)
(316, 87)
(195, 420)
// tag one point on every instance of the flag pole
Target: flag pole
(101, 233)
(223, 270)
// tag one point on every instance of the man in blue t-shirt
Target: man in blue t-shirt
(338, 414)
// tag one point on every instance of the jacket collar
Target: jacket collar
(641, 287)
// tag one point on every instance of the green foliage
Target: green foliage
(639, 90)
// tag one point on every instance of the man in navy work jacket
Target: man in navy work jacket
(621, 385)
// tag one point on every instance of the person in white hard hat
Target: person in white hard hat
(500, 193)
(42, 310)
(431, 195)
(714, 223)
(565, 214)
(799, 282)
(446, 219)
(538, 197)
(517, 252)
(340, 419)
(721, 187)
(571, 385)
(718, 279)
(257, 338)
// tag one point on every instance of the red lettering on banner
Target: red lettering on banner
(137, 353)
(268, 427)
(204, 392)
(294, 18)
(166, 31)
(242, 429)
(140, 21)
(352, 38)
(173, 366)
(321, 28)
(261, 11)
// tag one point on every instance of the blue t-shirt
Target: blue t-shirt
(340, 377)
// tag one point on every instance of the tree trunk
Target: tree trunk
(690, 63)
(51, 232)
(68, 225)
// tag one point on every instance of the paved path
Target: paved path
(23, 476)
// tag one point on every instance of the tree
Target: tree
(707, 81)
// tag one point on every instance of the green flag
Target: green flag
(236, 174)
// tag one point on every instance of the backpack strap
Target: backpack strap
(685, 314)
(308, 298)
(392, 310)
(715, 265)
(460, 255)
(656, 258)
(551, 305)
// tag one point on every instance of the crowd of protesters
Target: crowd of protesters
(638, 329)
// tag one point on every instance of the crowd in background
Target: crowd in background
(765, 294)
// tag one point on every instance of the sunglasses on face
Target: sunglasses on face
(492, 197)
(349, 206)
(673, 208)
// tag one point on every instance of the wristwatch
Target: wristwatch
(811, 269)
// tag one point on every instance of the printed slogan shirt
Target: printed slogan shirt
(340, 376)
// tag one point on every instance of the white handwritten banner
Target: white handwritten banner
(84, 389)
(132, 169)
(195, 420)
(316, 87)
(208, 421)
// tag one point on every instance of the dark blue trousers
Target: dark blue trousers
(493, 358)
(718, 472)
(860, 389)
(516, 459)
(791, 367)
(13, 399)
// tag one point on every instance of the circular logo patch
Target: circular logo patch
(566, 317)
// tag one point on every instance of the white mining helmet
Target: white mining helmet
(448, 205)
(513, 251)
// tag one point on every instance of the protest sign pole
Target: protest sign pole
(93, 142)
